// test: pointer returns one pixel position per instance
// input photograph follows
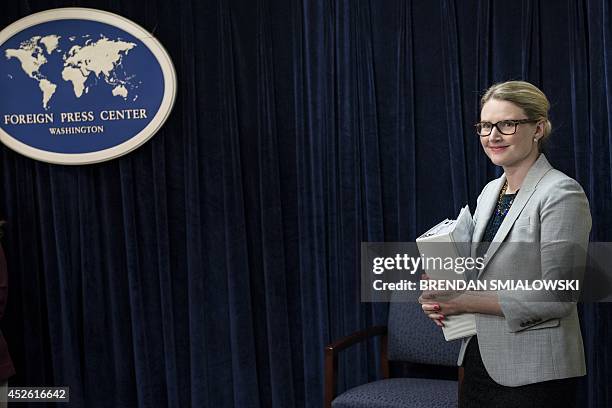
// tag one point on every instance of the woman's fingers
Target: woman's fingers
(430, 307)
(432, 310)
(437, 318)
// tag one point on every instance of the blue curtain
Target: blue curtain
(211, 266)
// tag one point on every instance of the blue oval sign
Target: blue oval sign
(81, 86)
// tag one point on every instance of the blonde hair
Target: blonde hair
(527, 97)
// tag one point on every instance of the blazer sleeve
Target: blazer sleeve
(565, 224)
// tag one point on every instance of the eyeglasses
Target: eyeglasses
(505, 127)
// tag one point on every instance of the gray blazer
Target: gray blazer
(535, 340)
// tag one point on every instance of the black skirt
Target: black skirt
(479, 390)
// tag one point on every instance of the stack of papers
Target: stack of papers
(450, 238)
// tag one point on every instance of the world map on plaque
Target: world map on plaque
(85, 63)
(81, 85)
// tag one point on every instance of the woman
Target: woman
(527, 352)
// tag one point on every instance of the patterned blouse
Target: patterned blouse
(499, 213)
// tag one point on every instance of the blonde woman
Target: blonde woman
(525, 353)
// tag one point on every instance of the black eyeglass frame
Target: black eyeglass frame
(516, 122)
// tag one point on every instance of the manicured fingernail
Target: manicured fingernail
(437, 307)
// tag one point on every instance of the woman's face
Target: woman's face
(509, 150)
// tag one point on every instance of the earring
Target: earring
(535, 139)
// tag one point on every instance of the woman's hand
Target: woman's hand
(439, 304)
(432, 310)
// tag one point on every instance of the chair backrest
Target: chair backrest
(413, 337)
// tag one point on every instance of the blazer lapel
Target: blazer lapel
(534, 175)
(488, 202)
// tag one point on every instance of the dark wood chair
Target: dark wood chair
(409, 337)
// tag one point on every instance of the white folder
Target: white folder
(457, 234)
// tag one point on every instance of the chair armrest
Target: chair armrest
(346, 342)
(331, 362)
